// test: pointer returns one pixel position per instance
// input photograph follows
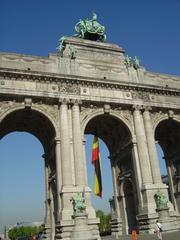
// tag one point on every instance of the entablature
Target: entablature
(43, 85)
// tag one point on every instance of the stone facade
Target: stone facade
(59, 99)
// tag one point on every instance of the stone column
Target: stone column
(84, 160)
(142, 147)
(58, 172)
(52, 215)
(116, 223)
(78, 146)
(171, 184)
(137, 172)
(114, 179)
(71, 145)
(47, 216)
(67, 187)
(47, 219)
(65, 145)
(154, 162)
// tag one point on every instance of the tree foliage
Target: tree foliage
(104, 225)
(27, 231)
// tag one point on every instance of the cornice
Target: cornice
(44, 77)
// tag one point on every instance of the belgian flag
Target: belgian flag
(97, 167)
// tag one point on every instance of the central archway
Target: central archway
(116, 135)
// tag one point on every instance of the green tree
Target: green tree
(104, 225)
(28, 231)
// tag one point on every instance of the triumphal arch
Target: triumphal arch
(92, 87)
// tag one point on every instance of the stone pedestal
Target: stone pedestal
(168, 223)
(81, 230)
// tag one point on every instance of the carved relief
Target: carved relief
(51, 110)
(7, 105)
(124, 114)
(69, 88)
(156, 117)
(177, 116)
(87, 110)
(140, 95)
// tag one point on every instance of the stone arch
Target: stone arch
(12, 118)
(159, 117)
(15, 107)
(97, 112)
(167, 133)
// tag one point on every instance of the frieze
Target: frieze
(72, 84)
(69, 88)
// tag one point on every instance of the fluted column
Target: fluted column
(84, 160)
(114, 179)
(65, 145)
(155, 169)
(137, 172)
(142, 146)
(78, 147)
(58, 172)
(47, 207)
(52, 214)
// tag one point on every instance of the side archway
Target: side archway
(41, 125)
(167, 133)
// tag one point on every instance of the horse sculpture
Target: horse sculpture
(90, 29)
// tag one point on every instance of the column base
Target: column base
(169, 222)
(116, 227)
(147, 222)
(47, 231)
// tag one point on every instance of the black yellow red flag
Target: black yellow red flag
(97, 167)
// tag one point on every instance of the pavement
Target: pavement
(166, 236)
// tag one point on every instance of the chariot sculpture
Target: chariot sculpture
(90, 29)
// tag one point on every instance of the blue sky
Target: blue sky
(147, 29)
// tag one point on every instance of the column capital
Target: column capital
(76, 102)
(137, 107)
(64, 100)
(147, 108)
